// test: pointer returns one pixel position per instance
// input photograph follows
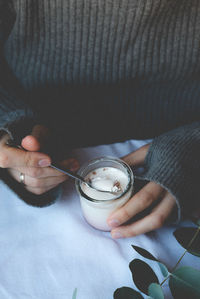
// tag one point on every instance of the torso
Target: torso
(135, 63)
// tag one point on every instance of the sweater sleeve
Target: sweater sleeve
(16, 116)
(173, 161)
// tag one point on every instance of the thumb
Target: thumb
(35, 141)
(137, 157)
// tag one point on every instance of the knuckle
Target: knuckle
(158, 221)
(146, 198)
(29, 160)
(4, 160)
(125, 214)
(34, 172)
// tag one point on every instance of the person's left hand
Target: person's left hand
(148, 195)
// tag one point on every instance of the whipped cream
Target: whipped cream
(106, 179)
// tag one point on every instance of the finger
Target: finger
(38, 183)
(137, 157)
(153, 221)
(35, 141)
(139, 202)
(38, 172)
(13, 157)
(30, 143)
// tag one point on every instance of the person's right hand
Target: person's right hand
(39, 177)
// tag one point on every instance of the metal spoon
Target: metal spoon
(81, 179)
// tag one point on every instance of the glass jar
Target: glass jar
(97, 207)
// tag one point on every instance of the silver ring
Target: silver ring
(22, 178)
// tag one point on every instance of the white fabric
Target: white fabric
(48, 252)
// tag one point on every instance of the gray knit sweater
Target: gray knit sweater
(121, 68)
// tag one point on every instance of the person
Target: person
(80, 73)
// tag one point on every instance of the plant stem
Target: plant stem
(190, 243)
(165, 279)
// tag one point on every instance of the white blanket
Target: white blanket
(45, 253)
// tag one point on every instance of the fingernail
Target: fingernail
(44, 163)
(113, 223)
(116, 235)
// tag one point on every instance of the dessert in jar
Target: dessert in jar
(107, 174)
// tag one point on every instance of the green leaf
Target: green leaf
(74, 294)
(155, 291)
(148, 255)
(163, 269)
(142, 274)
(184, 283)
(144, 253)
(127, 293)
(184, 236)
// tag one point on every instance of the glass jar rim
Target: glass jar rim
(111, 159)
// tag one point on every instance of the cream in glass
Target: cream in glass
(108, 174)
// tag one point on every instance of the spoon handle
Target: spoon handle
(69, 173)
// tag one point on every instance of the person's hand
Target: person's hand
(32, 164)
(151, 193)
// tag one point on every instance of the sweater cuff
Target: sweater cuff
(173, 161)
(16, 117)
